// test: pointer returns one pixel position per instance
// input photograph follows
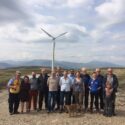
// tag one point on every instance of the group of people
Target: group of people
(61, 89)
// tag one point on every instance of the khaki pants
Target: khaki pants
(78, 98)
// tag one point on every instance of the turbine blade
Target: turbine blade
(47, 33)
(61, 34)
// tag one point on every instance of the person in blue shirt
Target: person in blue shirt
(101, 91)
(94, 88)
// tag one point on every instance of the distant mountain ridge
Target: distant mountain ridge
(63, 64)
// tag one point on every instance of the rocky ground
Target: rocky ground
(42, 118)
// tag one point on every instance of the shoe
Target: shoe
(86, 110)
(48, 112)
(97, 110)
(11, 113)
(38, 110)
(61, 110)
(114, 114)
(21, 112)
(56, 109)
(17, 112)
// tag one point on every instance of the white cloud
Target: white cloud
(111, 9)
(90, 36)
(79, 3)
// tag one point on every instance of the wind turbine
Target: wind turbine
(54, 42)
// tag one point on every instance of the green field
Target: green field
(6, 74)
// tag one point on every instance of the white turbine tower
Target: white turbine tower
(53, 40)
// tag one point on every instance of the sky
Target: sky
(96, 30)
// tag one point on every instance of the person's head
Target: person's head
(84, 70)
(43, 71)
(57, 74)
(33, 74)
(98, 71)
(65, 73)
(110, 71)
(26, 79)
(108, 85)
(58, 68)
(78, 74)
(18, 74)
(71, 72)
(94, 75)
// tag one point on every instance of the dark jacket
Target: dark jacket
(86, 78)
(100, 79)
(42, 83)
(115, 83)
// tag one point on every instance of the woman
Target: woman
(78, 90)
(24, 94)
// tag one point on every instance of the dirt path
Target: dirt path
(42, 118)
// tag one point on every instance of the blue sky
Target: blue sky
(96, 30)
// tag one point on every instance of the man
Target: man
(71, 75)
(94, 87)
(113, 80)
(53, 83)
(86, 78)
(101, 92)
(65, 89)
(14, 90)
(58, 75)
(43, 89)
(33, 91)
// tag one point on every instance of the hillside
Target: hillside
(63, 64)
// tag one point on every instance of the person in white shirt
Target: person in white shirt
(65, 89)
(72, 76)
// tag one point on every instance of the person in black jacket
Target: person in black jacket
(86, 78)
(113, 80)
(101, 92)
(25, 93)
(43, 89)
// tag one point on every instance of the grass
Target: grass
(6, 74)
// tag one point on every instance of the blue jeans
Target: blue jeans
(51, 100)
(67, 96)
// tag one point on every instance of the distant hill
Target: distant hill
(5, 65)
(47, 63)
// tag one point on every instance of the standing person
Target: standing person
(86, 78)
(53, 83)
(71, 75)
(108, 108)
(33, 91)
(25, 93)
(78, 91)
(58, 75)
(101, 91)
(112, 78)
(94, 87)
(65, 89)
(14, 90)
(43, 89)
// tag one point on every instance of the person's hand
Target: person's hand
(14, 87)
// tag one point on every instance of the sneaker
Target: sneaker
(17, 112)
(38, 110)
(48, 112)
(11, 113)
